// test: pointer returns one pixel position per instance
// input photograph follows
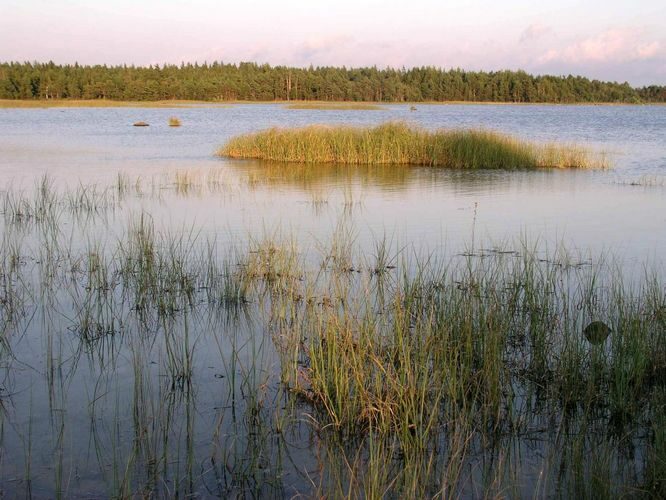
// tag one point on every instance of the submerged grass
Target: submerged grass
(399, 144)
(416, 377)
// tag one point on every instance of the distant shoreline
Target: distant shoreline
(178, 103)
(262, 82)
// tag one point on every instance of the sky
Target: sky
(607, 40)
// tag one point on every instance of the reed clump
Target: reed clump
(400, 144)
(393, 373)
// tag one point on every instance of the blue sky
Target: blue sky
(609, 40)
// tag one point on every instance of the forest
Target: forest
(262, 82)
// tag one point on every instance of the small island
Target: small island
(400, 144)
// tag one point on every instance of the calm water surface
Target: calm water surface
(70, 412)
(598, 210)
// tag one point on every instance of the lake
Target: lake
(156, 304)
(592, 210)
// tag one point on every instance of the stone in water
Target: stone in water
(596, 332)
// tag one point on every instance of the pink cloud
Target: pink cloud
(614, 45)
(648, 50)
(318, 48)
(535, 31)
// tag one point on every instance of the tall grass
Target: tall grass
(370, 373)
(400, 144)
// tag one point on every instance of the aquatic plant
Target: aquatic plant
(399, 144)
(384, 372)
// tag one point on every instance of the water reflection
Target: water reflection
(154, 327)
(431, 205)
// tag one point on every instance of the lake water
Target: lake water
(76, 416)
(622, 209)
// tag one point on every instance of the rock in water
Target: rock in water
(596, 332)
(140, 124)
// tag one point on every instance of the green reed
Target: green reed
(399, 144)
(411, 375)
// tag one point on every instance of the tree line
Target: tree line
(261, 82)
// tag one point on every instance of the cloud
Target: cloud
(648, 50)
(629, 53)
(316, 48)
(614, 45)
(535, 31)
(334, 50)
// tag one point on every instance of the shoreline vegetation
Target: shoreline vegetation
(248, 81)
(313, 105)
(397, 143)
(104, 103)
(386, 373)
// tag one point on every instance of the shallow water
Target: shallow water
(71, 410)
(622, 209)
